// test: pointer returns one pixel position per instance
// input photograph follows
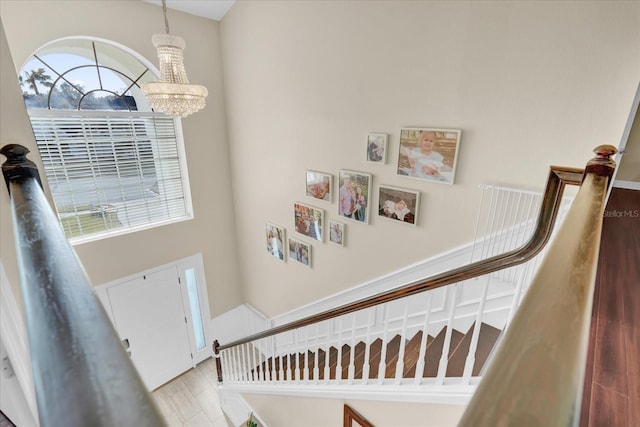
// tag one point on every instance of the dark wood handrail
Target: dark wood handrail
(349, 415)
(536, 376)
(558, 178)
(82, 375)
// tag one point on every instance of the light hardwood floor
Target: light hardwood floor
(191, 400)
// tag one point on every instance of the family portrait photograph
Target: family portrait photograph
(376, 147)
(308, 221)
(275, 241)
(429, 154)
(354, 195)
(336, 232)
(319, 185)
(300, 251)
(398, 204)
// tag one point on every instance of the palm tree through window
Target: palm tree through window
(112, 164)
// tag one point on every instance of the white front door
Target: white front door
(150, 318)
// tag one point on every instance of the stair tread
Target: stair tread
(298, 364)
(486, 340)
(409, 350)
(412, 353)
(434, 351)
(374, 359)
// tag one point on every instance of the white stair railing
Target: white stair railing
(505, 221)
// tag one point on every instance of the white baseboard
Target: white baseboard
(629, 185)
(449, 394)
(236, 408)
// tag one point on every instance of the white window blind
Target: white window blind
(111, 172)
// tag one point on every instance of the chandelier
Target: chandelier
(172, 94)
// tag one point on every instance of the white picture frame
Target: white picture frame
(319, 185)
(377, 148)
(354, 195)
(336, 232)
(300, 251)
(429, 154)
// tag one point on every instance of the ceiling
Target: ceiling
(212, 9)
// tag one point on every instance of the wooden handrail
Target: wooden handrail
(349, 415)
(558, 178)
(536, 376)
(82, 375)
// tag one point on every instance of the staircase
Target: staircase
(423, 347)
(343, 363)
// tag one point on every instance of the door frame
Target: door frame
(193, 262)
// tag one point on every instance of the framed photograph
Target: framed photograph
(354, 195)
(275, 241)
(429, 154)
(319, 185)
(377, 147)
(300, 251)
(398, 204)
(336, 232)
(308, 221)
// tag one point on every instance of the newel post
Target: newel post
(216, 352)
(17, 167)
(82, 375)
(602, 164)
(536, 376)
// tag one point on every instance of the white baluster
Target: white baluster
(272, 348)
(502, 214)
(252, 362)
(224, 364)
(232, 362)
(327, 355)
(517, 216)
(352, 354)
(245, 355)
(367, 348)
(257, 360)
(306, 355)
(316, 362)
(236, 362)
(403, 343)
(297, 354)
(475, 236)
(517, 231)
(280, 357)
(339, 361)
(383, 351)
(442, 365)
(471, 356)
(289, 377)
(423, 341)
(491, 237)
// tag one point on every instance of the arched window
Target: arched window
(112, 164)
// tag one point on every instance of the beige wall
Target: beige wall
(529, 83)
(18, 132)
(314, 412)
(30, 24)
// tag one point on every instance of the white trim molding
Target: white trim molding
(629, 185)
(14, 336)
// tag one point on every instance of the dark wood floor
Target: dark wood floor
(4, 421)
(612, 381)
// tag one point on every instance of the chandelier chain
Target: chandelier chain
(164, 12)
